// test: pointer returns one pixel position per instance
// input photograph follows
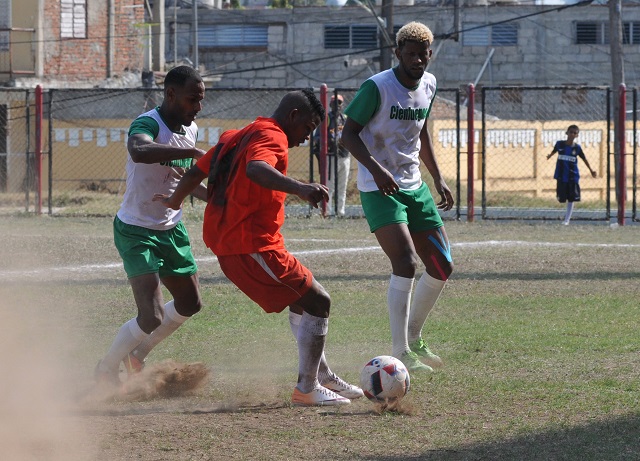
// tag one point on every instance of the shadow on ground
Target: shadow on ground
(608, 440)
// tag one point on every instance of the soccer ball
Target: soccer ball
(385, 379)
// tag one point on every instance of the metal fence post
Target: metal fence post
(470, 151)
(622, 132)
(322, 157)
(38, 149)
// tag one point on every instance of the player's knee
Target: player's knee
(405, 266)
(148, 323)
(190, 308)
(317, 302)
(448, 270)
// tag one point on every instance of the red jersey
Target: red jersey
(248, 218)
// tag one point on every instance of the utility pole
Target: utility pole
(617, 78)
(194, 6)
(387, 47)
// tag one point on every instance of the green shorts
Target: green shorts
(148, 251)
(415, 208)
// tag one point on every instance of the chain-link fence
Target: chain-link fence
(18, 187)
(84, 152)
(520, 126)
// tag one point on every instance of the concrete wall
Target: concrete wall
(295, 56)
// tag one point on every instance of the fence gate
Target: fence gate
(520, 126)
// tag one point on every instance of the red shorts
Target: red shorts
(273, 279)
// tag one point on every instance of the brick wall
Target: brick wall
(75, 60)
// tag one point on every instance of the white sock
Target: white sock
(128, 337)
(170, 323)
(312, 332)
(324, 372)
(425, 296)
(567, 216)
(398, 299)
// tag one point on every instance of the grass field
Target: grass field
(538, 326)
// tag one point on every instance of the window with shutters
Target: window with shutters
(353, 36)
(233, 36)
(490, 34)
(73, 18)
(592, 33)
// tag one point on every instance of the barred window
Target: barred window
(631, 33)
(597, 33)
(490, 35)
(504, 35)
(592, 33)
(73, 18)
(233, 35)
(358, 36)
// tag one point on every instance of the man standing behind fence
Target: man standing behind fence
(340, 156)
(151, 239)
(567, 174)
(386, 131)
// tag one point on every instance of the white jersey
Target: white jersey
(392, 135)
(144, 180)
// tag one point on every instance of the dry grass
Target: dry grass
(538, 329)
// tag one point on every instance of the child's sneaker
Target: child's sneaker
(343, 388)
(319, 396)
(421, 348)
(413, 363)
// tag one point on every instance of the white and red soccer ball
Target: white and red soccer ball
(385, 379)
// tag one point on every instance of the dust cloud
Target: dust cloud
(35, 423)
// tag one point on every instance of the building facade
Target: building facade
(71, 43)
(500, 44)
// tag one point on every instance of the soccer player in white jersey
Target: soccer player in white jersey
(151, 239)
(386, 131)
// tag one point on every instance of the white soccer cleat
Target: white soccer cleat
(343, 388)
(319, 396)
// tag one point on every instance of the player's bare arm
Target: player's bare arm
(591, 170)
(351, 139)
(143, 149)
(268, 177)
(429, 159)
(551, 154)
(190, 182)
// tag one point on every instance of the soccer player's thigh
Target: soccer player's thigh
(387, 219)
(179, 271)
(433, 248)
(429, 236)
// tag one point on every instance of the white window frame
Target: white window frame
(73, 18)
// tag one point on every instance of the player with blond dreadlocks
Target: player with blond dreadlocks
(386, 132)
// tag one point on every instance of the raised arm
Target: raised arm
(268, 177)
(428, 157)
(143, 149)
